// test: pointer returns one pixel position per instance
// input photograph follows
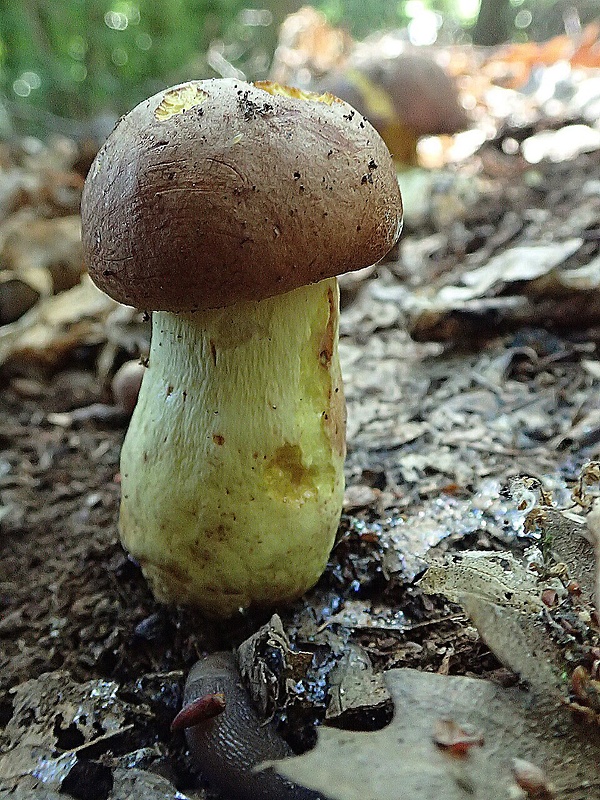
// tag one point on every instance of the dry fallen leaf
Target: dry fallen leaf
(54, 326)
(356, 691)
(50, 712)
(503, 599)
(403, 762)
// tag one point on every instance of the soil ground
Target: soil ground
(430, 427)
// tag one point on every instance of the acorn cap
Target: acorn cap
(220, 191)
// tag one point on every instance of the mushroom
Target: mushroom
(228, 209)
(405, 97)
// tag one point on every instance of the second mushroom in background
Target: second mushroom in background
(405, 98)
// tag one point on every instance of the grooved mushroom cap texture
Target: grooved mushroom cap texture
(221, 191)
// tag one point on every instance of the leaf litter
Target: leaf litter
(463, 580)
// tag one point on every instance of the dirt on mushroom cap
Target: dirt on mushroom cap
(219, 191)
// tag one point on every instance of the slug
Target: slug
(228, 746)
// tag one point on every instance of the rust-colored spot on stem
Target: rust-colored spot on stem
(327, 340)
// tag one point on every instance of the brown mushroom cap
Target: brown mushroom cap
(417, 92)
(424, 96)
(220, 191)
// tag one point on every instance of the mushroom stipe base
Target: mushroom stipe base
(232, 467)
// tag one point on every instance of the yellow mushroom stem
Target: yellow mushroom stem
(232, 467)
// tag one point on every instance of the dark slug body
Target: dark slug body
(227, 747)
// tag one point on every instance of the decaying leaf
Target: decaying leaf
(406, 541)
(127, 783)
(54, 720)
(537, 619)
(41, 338)
(567, 539)
(494, 577)
(403, 761)
(51, 745)
(365, 615)
(523, 263)
(503, 599)
(358, 694)
(32, 244)
(270, 668)
(522, 284)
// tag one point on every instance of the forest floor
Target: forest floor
(466, 436)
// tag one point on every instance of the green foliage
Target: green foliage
(79, 57)
(362, 18)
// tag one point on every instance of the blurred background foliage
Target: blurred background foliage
(69, 60)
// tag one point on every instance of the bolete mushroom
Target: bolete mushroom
(228, 209)
(405, 97)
